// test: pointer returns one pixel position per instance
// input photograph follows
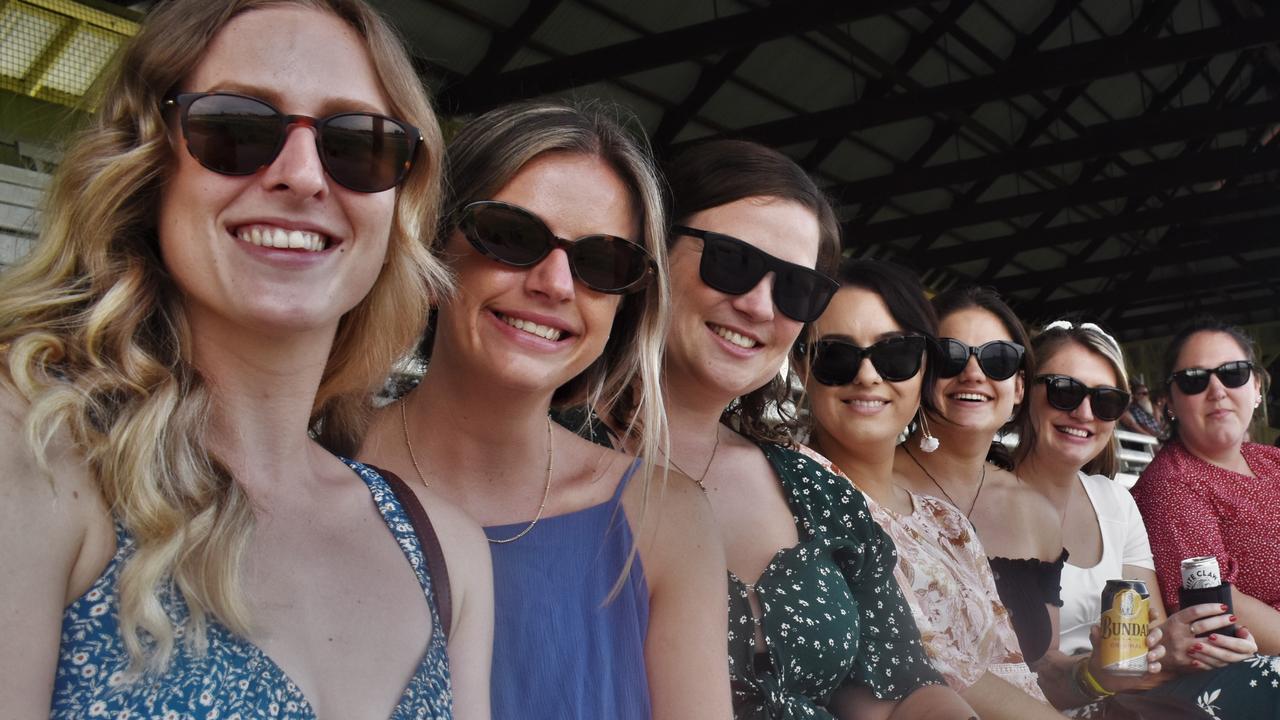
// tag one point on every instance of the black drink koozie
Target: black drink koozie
(1218, 595)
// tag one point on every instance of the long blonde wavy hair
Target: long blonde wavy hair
(623, 384)
(95, 340)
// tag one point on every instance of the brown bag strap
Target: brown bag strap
(436, 566)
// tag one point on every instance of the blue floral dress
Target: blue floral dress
(233, 678)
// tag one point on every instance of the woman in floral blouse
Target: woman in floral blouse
(866, 373)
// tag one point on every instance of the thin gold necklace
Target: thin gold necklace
(546, 491)
(981, 481)
(705, 470)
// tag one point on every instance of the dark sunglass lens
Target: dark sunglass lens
(507, 234)
(1234, 374)
(1065, 393)
(999, 360)
(955, 355)
(835, 363)
(1191, 381)
(608, 264)
(730, 266)
(1109, 404)
(800, 295)
(898, 359)
(233, 135)
(366, 153)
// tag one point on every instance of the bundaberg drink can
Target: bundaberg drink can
(1125, 616)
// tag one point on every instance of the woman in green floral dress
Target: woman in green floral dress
(818, 627)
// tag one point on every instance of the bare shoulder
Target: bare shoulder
(22, 477)
(674, 523)
(466, 553)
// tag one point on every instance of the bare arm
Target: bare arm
(931, 702)
(686, 646)
(995, 699)
(470, 566)
(42, 531)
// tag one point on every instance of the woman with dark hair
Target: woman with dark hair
(951, 455)
(818, 627)
(1068, 452)
(554, 227)
(223, 267)
(1209, 492)
(866, 371)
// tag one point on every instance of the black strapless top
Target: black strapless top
(1026, 585)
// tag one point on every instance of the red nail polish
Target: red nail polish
(1195, 663)
(1232, 618)
(1213, 638)
(1224, 608)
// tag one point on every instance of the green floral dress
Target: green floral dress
(831, 610)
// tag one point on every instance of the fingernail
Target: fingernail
(1232, 618)
(1224, 608)
(1195, 663)
(1213, 637)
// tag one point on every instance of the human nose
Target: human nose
(552, 277)
(1083, 411)
(1216, 390)
(757, 303)
(867, 373)
(972, 370)
(298, 168)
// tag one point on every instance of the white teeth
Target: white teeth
(969, 396)
(267, 236)
(1074, 432)
(869, 404)
(533, 328)
(740, 340)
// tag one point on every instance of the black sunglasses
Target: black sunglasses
(734, 267)
(1066, 393)
(1193, 381)
(999, 359)
(514, 236)
(836, 361)
(239, 135)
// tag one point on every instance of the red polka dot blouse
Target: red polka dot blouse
(1192, 508)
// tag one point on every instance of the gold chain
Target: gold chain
(546, 491)
(705, 470)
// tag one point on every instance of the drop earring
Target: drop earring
(928, 442)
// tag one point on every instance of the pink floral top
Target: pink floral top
(944, 575)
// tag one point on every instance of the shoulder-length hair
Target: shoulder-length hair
(623, 384)
(1197, 325)
(97, 342)
(718, 172)
(1049, 343)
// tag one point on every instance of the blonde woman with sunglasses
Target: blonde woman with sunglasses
(608, 577)
(219, 272)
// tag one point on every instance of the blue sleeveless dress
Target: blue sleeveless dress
(561, 649)
(234, 678)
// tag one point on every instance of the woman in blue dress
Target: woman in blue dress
(608, 577)
(213, 279)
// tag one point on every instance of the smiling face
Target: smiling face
(1071, 437)
(733, 344)
(971, 400)
(868, 412)
(536, 328)
(1215, 421)
(216, 231)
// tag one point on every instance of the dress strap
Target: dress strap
(430, 543)
(626, 477)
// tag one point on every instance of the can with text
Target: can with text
(1125, 616)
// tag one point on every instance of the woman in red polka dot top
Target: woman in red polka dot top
(1209, 492)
